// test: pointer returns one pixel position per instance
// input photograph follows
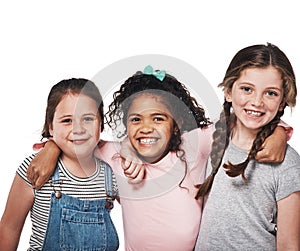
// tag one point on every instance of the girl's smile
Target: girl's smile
(149, 127)
(256, 97)
(76, 126)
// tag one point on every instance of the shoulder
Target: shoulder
(199, 139)
(107, 149)
(292, 157)
(22, 169)
(26, 161)
(102, 163)
(289, 168)
(200, 132)
(288, 175)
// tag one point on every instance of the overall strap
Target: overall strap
(55, 176)
(55, 183)
(108, 181)
(109, 187)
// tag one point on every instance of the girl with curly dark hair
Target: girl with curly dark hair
(158, 120)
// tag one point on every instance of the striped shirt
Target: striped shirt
(89, 188)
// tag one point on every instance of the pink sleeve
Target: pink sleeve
(197, 146)
(40, 145)
(288, 129)
(107, 151)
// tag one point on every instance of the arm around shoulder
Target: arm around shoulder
(43, 165)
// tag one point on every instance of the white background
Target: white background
(43, 42)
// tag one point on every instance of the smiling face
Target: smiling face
(76, 126)
(149, 127)
(256, 97)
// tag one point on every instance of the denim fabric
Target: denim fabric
(79, 225)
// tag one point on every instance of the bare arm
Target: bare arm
(43, 165)
(273, 149)
(19, 202)
(288, 223)
(132, 166)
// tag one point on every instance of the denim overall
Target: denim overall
(78, 225)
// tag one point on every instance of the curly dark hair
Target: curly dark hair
(176, 97)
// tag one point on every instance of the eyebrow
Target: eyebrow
(270, 87)
(71, 115)
(152, 114)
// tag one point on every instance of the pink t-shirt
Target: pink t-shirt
(160, 213)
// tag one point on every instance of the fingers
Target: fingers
(126, 163)
(266, 155)
(261, 157)
(139, 177)
(39, 182)
(134, 171)
(37, 177)
(31, 175)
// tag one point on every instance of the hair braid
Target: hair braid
(220, 142)
(239, 169)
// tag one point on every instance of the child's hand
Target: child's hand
(42, 166)
(134, 169)
(273, 149)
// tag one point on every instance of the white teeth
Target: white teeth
(256, 114)
(148, 141)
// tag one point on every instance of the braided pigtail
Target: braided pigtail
(239, 169)
(220, 142)
(251, 57)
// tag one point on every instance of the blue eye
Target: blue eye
(87, 119)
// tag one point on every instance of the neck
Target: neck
(83, 167)
(243, 138)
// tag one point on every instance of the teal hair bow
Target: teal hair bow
(158, 74)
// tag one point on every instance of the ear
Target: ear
(179, 123)
(51, 129)
(282, 105)
(227, 94)
(177, 126)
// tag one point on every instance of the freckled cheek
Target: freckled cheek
(241, 99)
(273, 107)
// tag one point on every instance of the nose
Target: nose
(146, 127)
(257, 100)
(78, 128)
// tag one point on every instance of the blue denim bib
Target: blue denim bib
(80, 225)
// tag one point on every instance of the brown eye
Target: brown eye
(134, 119)
(272, 93)
(65, 121)
(246, 89)
(157, 119)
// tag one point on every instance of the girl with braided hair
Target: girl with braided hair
(252, 205)
(167, 129)
(169, 132)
